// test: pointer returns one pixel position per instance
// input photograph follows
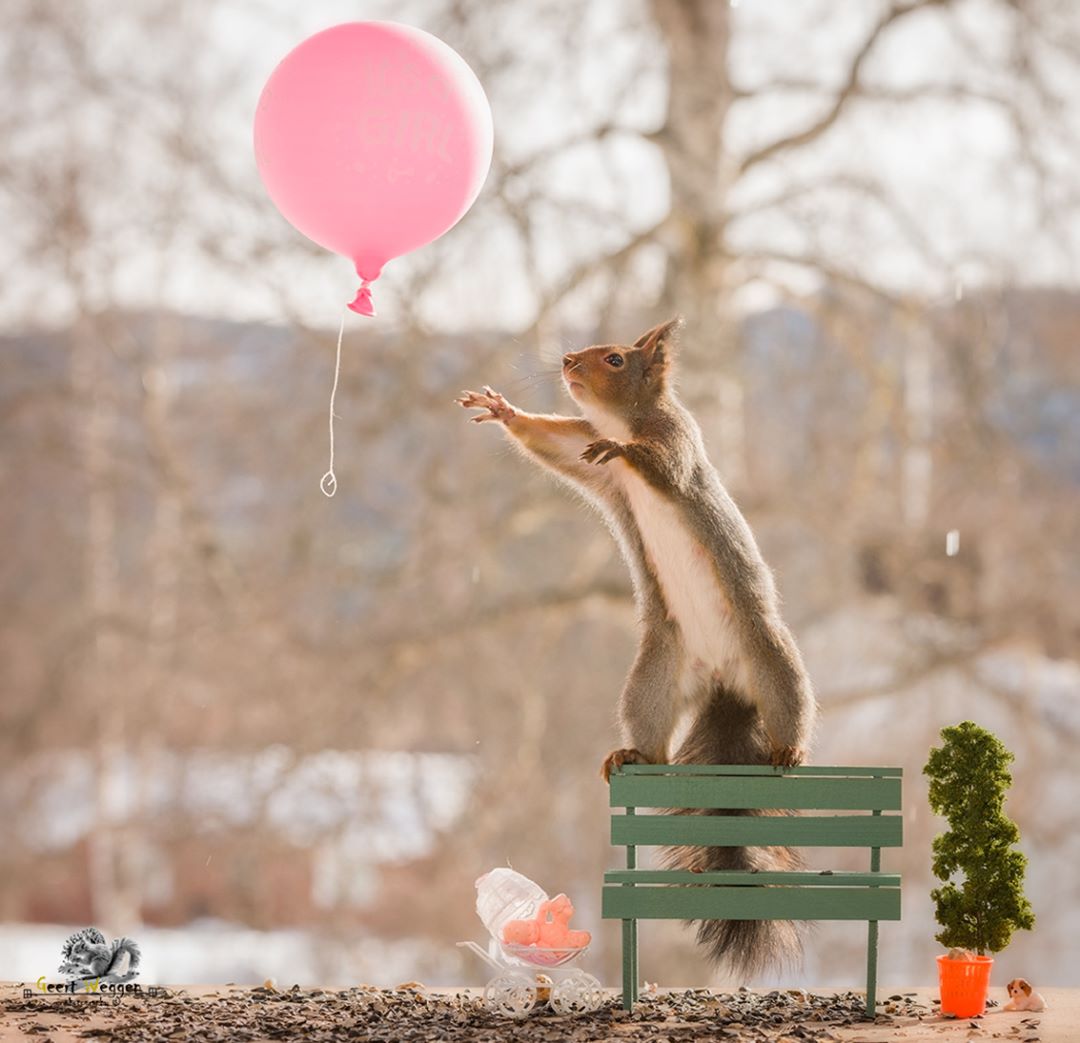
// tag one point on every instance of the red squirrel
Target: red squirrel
(713, 644)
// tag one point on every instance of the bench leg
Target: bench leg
(871, 970)
(871, 944)
(629, 963)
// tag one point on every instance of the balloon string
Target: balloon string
(328, 484)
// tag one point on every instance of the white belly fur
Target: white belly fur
(692, 592)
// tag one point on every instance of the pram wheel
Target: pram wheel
(513, 995)
(577, 994)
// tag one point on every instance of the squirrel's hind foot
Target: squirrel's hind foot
(617, 758)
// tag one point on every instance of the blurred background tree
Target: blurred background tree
(228, 701)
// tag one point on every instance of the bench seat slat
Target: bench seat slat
(737, 878)
(790, 792)
(751, 903)
(759, 831)
(759, 769)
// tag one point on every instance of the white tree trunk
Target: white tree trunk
(112, 905)
(697, 35)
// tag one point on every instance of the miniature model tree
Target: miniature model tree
(969, 777)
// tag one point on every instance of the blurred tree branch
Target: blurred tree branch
(851, 88)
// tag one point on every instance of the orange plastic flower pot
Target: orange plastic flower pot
(964, 984)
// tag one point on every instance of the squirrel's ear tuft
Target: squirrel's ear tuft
(659, 342)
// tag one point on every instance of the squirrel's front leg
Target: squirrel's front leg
(556, 441)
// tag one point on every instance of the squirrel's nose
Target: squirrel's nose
(567, 361)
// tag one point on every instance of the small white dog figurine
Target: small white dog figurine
(1023, 997)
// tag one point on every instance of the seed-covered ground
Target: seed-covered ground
(414, 1014)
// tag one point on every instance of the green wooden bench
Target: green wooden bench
(649, 894)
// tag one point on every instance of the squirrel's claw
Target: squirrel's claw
(497, 407)
(617, 758)
(601, 451)
(787, 756)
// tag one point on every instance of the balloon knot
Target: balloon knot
(361, 303)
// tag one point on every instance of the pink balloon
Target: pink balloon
(373, 139)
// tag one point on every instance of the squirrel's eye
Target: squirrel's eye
(614, 360)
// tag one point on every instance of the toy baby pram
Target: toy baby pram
(527, 977)
(528, 973)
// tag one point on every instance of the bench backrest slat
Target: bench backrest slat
(757, 878)
(778, 791)
(759, 831)
(759, 769)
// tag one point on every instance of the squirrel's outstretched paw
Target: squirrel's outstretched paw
(617, 758)
(787, 756)
(601, 451)
(497, 407)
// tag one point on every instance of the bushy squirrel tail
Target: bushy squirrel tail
(122, 947)
(729, 731)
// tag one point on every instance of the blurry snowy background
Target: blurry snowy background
(270, 734)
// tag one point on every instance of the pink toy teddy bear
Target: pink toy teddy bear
(550, 929)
